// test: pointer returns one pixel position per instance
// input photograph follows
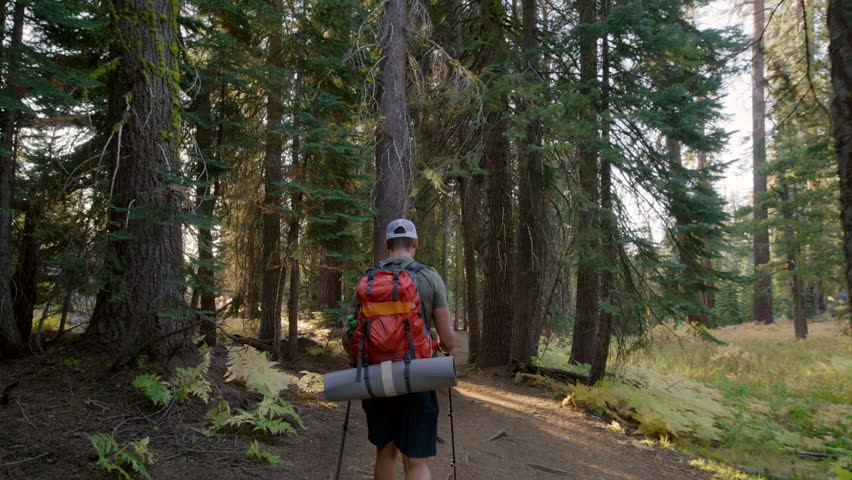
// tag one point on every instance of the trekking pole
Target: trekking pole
(343, 441)
(452, 432)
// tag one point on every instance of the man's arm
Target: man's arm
(441, 316)
(353, 308)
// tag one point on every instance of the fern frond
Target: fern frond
(154, 388)
(311, 382)
(193, 380)
(249, 365)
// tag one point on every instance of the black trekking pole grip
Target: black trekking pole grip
(343, 440)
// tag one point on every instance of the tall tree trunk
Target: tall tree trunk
(588, 238)
(762, 303)
(800, 323)
(497, 260)
(709, 294)
(25, 279)
(273, 267)
(394, 167)
(607, 225)
(299, 164)
(526, 326)
(840, 55)
(469, 197)
(458, 273)
(142, 303)
(12, 343)
(329, 288)
(684, 242)
(206, 198)
(295, 278)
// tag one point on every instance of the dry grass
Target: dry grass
(753, 402)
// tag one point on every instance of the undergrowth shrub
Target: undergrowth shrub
(757, 400)
(185, 382)
(255, 453)
(114, 458)
(273, 415)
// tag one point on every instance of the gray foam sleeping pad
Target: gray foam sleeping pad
(388, 379)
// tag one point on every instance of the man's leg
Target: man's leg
(416, 468)
(386, 462)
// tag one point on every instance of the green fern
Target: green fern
(311, 382)
(255, 453)
(155, 388)
(273, 416)
(113, 458)
(250, 366)
(193, 380)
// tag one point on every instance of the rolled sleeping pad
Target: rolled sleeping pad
(387, 379)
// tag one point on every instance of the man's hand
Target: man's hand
(445, 329)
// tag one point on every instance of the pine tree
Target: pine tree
(840, 51)
(762, 308)
(142, 303)
(394, 165)
(11, 339)
(497, 263)
(527, 322)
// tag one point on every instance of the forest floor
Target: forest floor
(503, 430)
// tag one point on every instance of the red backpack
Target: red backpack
(390, 326)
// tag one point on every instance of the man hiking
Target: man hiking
(391, 327)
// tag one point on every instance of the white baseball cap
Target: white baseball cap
(407, 225)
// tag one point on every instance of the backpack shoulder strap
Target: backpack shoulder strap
(370, 274)
(414, 267)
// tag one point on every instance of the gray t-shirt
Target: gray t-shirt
(430, 287)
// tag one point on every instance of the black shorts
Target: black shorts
(410, 421)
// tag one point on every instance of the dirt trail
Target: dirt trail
(537, 432)
(62, 399)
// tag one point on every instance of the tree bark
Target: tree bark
(709, 296)
(527, 323)
(469, 196)
(608, 225)
(800, 323)
(394, 167)
(293, 232)
(273, 267)
(840, 55)
(12, 343)
(206, 199)
(329, 289)
(762, 303)
(142, 304)
(497, 302)
(588, 238)
(25, 279)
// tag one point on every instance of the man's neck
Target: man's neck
(399, 253)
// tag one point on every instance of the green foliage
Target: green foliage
(754, 401)
(311, 382)
(273, 414)
(114, 458)
(193, 380)
(255, 453)
(185, 382)
(155, 388)
(251, 367)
